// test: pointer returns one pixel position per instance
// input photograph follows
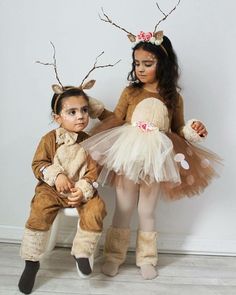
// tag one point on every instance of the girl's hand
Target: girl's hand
(199, 128)
(76, 197)
(63, 184)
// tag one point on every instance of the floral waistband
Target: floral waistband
(145, 126)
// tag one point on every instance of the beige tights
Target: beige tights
(128, 197)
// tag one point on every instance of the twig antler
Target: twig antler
(165, 15)
(54, 64)
(108, 20)
(97, 67)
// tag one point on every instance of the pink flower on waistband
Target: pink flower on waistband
(145, 126)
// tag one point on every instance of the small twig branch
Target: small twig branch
(54, 64)
(108, 20)
(97, 67)
(165, 15)
(160, 9)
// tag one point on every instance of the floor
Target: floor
(178, 275)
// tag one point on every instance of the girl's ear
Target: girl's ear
(57, 119)
(57, 89)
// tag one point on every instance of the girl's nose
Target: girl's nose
(79, 115)
(141, 69)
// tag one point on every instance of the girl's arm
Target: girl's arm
(193, 131)
(177, 122)
(43, 156)
(120, 109)
(122, 105)
(87, 184)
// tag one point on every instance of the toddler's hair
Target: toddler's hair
(57, 99)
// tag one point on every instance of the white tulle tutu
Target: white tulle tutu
(143, 152)
(141, 156)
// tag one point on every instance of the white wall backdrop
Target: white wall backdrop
(203, 33)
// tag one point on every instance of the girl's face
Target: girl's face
(145, 66)
(74, 114)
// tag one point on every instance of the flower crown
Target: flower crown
(155, 38)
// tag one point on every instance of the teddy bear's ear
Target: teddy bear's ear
(89, 84)
(57, 89)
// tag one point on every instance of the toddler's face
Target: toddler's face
(74, 114)
(145, 66)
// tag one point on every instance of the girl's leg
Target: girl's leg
(91, 215)
(118, 235)
(146, 250)
(44, 208)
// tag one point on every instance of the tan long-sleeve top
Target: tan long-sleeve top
(131, 96)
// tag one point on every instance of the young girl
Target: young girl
(149, 153)
(67, 178)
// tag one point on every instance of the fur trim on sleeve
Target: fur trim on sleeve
(190, 134)
(95, 107)
(86, 188)
(50, 173)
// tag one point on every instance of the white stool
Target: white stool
(70, 212)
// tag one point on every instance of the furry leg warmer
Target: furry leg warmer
(146, 254)
(115, 249)
(83, 249)
(34, 244)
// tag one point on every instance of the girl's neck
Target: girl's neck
(151, 87)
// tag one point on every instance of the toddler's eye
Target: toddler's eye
(72, 112)
(85, 109)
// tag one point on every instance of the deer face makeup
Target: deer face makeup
(74, 114)
(145, 66)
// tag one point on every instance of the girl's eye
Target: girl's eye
(136, 64)
(148, 65)
(72, 112)
(85, 109)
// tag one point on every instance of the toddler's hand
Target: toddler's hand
(199, 128)
(76, 197)
(63, 184)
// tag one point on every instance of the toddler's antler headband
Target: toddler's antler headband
(152, 37)
(59, 89)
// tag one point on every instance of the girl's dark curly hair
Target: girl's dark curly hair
(167, 71)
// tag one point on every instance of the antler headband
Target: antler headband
(152, 37)
(60, 89)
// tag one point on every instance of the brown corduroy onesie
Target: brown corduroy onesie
(59, 151)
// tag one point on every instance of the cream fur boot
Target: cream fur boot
(115, 249)
(146, 254)
(83, 249)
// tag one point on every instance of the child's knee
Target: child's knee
(92, 215)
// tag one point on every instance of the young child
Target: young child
(150, 152)
(67, 178)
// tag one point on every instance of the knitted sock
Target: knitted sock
(148, 271)
(110, 268)
(26, 282)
